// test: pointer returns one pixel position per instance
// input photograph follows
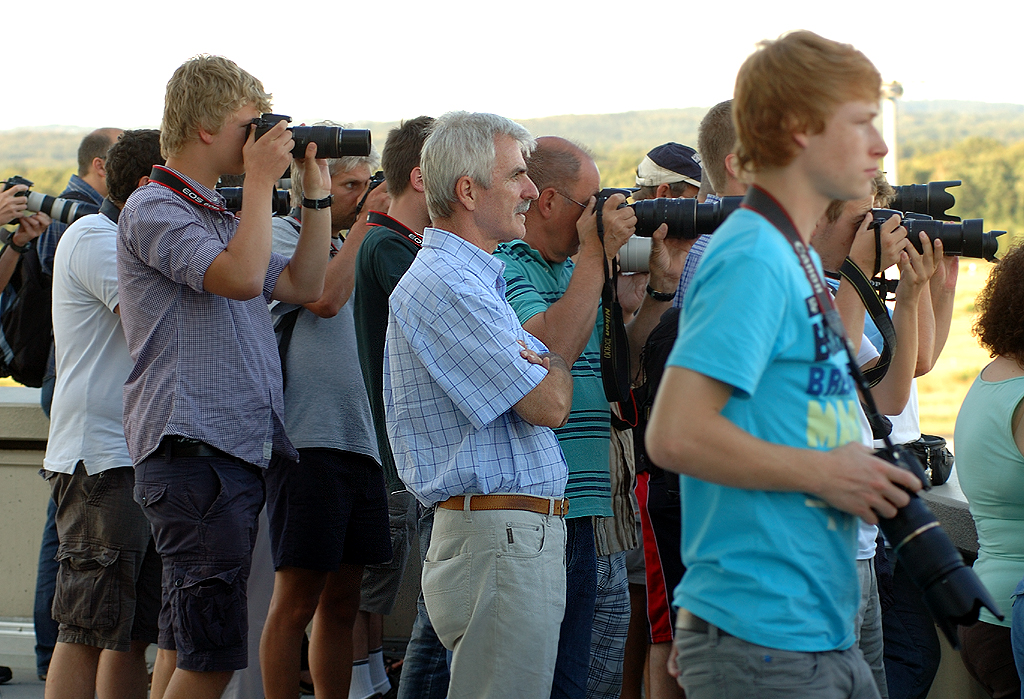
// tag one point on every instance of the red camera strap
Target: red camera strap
(176, 183)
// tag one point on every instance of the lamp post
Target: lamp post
(891, 92)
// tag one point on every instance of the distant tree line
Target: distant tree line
(981, 144)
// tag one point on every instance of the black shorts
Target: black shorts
(657, 493)
(329, 508)
(204, 511)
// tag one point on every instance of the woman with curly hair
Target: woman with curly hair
(989, 442)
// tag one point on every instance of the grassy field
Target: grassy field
(941, 391)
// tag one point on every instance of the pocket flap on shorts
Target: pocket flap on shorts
(147, 494)
(204, 580)
(84, 556)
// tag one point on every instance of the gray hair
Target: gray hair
(335, 165)
(461, 144)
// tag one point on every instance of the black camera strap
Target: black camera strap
(615, 375)
(879, 316)
(376, 218)
(176, 183)
(108, 209)
(763, 203)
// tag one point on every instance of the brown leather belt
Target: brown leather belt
(508, 501)
(685, 621)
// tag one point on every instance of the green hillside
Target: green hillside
(979, 143)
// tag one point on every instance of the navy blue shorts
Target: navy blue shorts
(329, 508)
(203, 511)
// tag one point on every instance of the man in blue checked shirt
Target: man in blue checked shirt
(470, 399)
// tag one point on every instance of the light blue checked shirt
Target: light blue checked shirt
(690, 268)
(452, 372)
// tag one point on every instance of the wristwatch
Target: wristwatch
(660, 295)
(324, 203)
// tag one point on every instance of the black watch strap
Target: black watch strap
(660, 295)
(324, 203)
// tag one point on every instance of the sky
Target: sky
(107, 63)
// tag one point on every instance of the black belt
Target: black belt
(175, 446)
(685, 621)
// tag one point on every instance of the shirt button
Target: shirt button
(178, 582)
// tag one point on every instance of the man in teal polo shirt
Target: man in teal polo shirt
(557, 301)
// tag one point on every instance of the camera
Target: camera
(63, 210)
(966, 238)
(950, 589)
(331, 141)
(375, 181)
(685, 217)
(280, 204)
(930, 199)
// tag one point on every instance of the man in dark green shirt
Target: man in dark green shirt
(385, 254)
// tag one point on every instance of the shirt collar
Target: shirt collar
(555, 268)
(471, 258)
(77, 184)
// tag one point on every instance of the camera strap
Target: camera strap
(376, 218)
(879, 316)
(176, 183)
(618, 384)
(763, 203)
(108, 209)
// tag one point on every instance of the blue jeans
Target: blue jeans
(910, 642)
(1017, 631)
(46, 584)
(425, 670)
(572, 665)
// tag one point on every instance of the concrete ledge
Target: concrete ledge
(21, 417)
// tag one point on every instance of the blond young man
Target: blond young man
(756, 409)
(203, 404)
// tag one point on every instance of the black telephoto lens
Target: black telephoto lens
(951, 590)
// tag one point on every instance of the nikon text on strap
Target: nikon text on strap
(615, 373)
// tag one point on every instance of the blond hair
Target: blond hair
(203, 92)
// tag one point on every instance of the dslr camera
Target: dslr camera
(63, 210)
(685, 218)
(923, 209)
(950, 589)
(280, 203)
(331, 141)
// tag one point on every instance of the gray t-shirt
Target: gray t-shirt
(325, 403)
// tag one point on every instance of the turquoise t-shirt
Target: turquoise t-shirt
(532, 284)
(773, 568)
(991, 472)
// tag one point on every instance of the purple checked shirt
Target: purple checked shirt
(206, 367)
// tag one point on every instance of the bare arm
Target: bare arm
(893, 391)
(341, 270)
(302, 280)
(668, 257)
(549, 403)
(943, 295)
(567, 324)
(30, 228)
(241, 269)
(687, 434)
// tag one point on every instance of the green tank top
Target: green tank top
(991, 472)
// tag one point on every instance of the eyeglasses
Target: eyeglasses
(582, 206)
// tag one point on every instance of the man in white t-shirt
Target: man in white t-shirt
(108, 583)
